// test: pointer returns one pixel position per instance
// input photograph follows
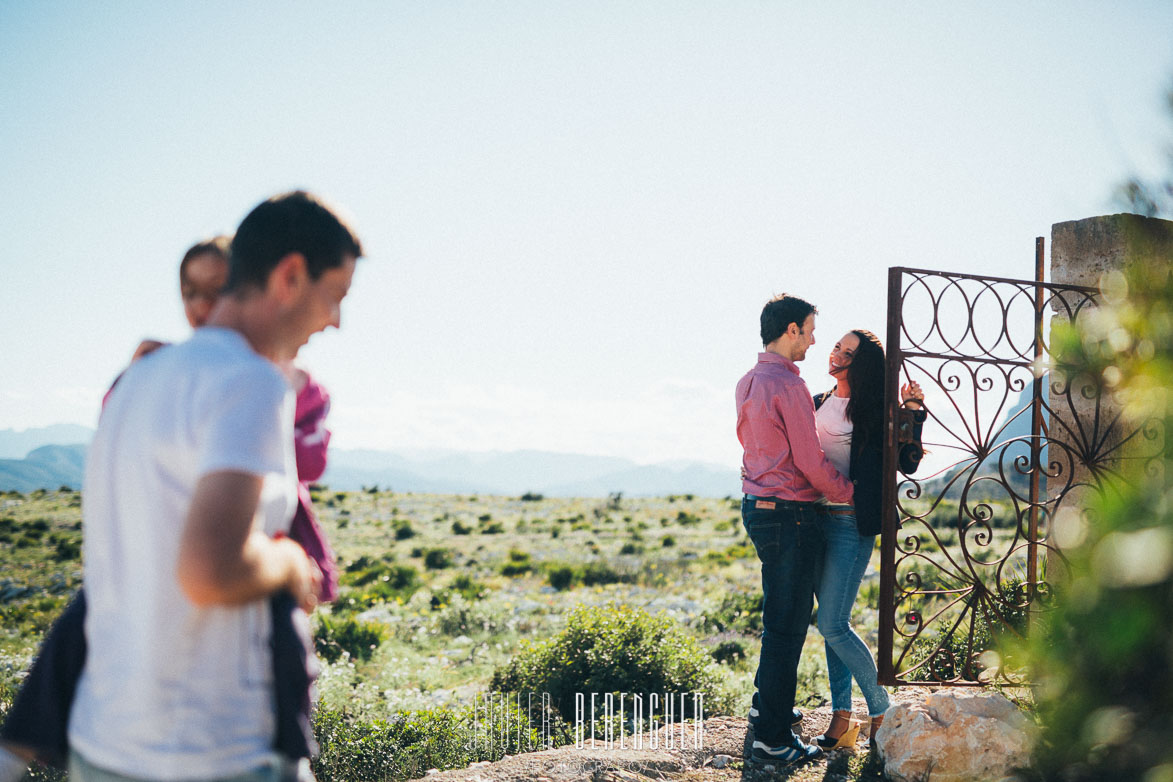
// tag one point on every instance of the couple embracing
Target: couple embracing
(812, 478)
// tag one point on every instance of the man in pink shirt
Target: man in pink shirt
(786, 474)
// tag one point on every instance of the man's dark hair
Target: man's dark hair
(218, 246)
(294, 222)
(780, 312)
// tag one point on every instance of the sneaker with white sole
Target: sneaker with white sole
(794, 751)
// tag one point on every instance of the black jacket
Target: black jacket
(867, 466)
(39, 716)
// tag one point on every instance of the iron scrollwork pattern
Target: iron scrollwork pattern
(1010, 446)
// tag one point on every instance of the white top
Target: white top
(170, 690)
(834, 429)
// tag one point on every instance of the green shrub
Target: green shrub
(530, 496)
(728, 555)
(460, 529)
(463, 617)
(409, 743)
(614, 649)
(34, 616)
(403, 530)
(518, 563)
(729, 653)
(561, 576)
(667, 541)
(438, 559)
(67, 550)
(595, 573)
(468, 587)
(631, 547)
(363, 571)
(372, 581)
(739, 612)
(492, 528)
(337, 635)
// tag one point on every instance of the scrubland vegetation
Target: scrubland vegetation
(445, 598)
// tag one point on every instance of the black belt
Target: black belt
(837, 510)
(779, 502)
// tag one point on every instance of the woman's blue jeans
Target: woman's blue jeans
(846, 559)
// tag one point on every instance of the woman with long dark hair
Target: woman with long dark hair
(850, 422)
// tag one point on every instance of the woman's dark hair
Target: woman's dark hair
(217, 246)
(865, 377)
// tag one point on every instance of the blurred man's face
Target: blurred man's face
(321, 303)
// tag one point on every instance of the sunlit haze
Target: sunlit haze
(573, 212)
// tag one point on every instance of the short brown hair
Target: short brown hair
(295, 222)
(780, 312)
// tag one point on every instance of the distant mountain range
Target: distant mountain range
(48, 465)
(54, 456)
(516, 472)
(17, 444)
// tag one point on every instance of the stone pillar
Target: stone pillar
(1082, 252)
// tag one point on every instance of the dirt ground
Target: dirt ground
(722, 736)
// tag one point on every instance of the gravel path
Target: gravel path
(725, 744)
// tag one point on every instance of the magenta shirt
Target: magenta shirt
(776, 427)
(310, 439)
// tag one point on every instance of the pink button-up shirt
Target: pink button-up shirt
(776, 427)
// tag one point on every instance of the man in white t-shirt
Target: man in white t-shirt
(189, 481)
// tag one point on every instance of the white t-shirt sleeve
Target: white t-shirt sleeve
(247, 424)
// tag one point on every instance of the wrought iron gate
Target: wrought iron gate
(967, 542)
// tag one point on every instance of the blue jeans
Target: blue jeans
(789, 542)
(847, 655)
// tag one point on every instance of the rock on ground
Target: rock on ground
(954, 737)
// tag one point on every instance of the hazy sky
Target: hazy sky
(573, 212)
